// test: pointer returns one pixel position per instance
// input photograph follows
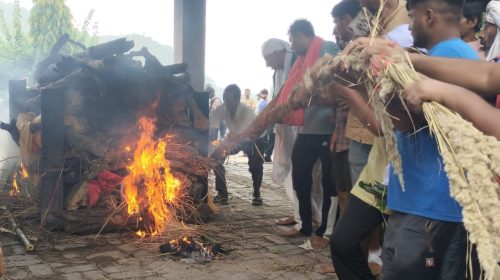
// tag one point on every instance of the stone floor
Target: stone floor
(259, 252)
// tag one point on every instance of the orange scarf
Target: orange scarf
(295, 77)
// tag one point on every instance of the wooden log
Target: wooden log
(78, 197)
(51, 162)
(118, 46)
(44, 73)
(153, 65)
(11, 128)
(97, 219)
(87, 143)
(16, 229)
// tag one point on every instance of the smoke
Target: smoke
(9, 152)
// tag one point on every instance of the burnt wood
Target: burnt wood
(51, 162)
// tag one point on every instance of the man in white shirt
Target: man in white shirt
(215, 102)
(237, 117)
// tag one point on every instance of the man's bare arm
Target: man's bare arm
(357, 105)
(478, 76)
(466, 103)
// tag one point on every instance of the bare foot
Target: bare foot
(290, 220)
(375, 268)
(291, 232)
(326, 268)
(319, 242)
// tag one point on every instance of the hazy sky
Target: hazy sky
(236, 29)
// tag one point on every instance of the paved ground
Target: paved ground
(259, 252)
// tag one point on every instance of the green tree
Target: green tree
(16, 53)
(49, 20)
(83, 35)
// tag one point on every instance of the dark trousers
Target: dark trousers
(306, 151)
(270, 145)
(358, 221)
(416, 247)
(253, 150)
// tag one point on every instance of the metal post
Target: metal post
(51, 162)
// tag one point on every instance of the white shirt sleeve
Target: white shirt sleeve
(216, 116)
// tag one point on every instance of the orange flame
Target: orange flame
(150, 188)
(15, 187)
(141, 233)
(24, 171)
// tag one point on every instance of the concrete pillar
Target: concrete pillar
(189, 38)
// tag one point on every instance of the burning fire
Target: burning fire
(23, 172)
(151, 190)
(15, 187)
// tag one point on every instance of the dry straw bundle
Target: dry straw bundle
(472, 159)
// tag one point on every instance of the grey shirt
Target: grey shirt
(318, 120)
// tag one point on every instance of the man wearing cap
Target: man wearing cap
(490, 35)
(279, 57)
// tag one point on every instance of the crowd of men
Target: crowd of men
(324, 154)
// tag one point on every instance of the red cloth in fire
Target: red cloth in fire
(296, 75)
(106, 181)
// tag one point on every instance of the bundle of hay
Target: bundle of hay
(472, 159)
(270, 115)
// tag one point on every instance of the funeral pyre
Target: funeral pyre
(135, 138)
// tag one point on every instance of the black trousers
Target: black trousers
(416, 247)
(270, 145)
(306, 151)
(358, 221)
(253, 150)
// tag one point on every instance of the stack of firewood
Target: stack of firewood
(107, 88)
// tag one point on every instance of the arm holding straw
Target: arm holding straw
(466, 103)
(485, 79)
(356, 103)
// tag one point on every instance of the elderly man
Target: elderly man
(490, 35)
(279, 57)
